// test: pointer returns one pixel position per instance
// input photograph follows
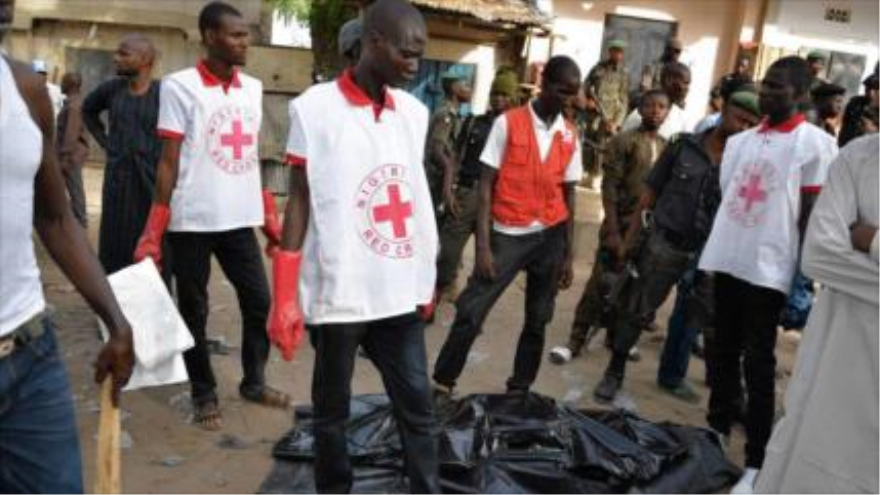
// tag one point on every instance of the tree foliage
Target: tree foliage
(324, 18)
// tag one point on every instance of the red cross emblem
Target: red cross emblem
(396, 211)
(237, 140)
(752, 192)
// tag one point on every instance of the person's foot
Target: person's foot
(561, 354)
(443, 397)
(698, 349)
(746, 484)
(265, 396)
(683, 391)
(634, 355)
(207, 415)
(607, 389)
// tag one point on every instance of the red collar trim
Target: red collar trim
(787, 126)
(357, 97)
(210, 80)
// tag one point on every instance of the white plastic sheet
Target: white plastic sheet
(159, 333)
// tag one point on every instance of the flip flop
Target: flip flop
(266, 396)
(207, 415)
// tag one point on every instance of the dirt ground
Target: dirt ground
(164, 453)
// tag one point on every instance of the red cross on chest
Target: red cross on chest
(752, 191)
(237, 140)
(396, 211)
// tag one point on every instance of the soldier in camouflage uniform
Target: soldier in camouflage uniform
(443, 130)
(630, 157)
(460, 215)
(607, 87)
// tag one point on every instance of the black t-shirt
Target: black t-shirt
(688, 189)
(472, 140)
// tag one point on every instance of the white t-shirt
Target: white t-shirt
(218, 184)
(21, 150)
(496, 146)
(755, 236)
(677, 121)
(371, 244)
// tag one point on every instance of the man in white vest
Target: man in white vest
(359, 247)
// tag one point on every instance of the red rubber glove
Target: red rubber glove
(271, 223)
(150, 243)
(286, 322)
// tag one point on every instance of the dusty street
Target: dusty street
(163, 452)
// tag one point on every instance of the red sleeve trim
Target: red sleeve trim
(165, 133)
(811, 189)
(294, 160)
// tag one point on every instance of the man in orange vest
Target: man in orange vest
(525, 221)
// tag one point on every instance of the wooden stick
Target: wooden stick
(108, 478)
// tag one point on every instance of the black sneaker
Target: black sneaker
(607, 389)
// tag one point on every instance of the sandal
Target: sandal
(207, 415)
(266, 396)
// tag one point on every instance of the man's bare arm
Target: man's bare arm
(67, 243)
(296, 214)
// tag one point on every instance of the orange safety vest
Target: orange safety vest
(527, 189)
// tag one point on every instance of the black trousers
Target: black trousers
(540, 254)
(745, 334)
(397, 348)
(241, 260)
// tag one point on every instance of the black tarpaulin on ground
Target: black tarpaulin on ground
(517, 444)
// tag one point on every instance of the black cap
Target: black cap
(827, 89)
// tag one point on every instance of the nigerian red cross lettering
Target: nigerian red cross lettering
(238, 140)
(752, 192)
(396, 211)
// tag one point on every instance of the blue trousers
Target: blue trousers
(680, 336)
(39, 446)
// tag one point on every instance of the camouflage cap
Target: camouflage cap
(747, 100)
(816, 55)
(617, 44)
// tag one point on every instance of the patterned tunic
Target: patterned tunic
(133, 149)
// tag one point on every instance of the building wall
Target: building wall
(795, 26)
(709, 29)
(481, 55)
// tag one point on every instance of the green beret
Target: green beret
(617, 43)
(827, 89)
(505, 83)
(746, 100)
(816, 55)
(450, 76)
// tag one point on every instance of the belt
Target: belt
(21, 336)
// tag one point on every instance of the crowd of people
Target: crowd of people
(773, 194)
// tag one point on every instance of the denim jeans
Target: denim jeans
(799, 303)
(240, 258)
(540, 254)
(680, 334)
(39, 446)
(397, 348)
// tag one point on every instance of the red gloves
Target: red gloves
(150, 243)
(286, 323)
(271, 223)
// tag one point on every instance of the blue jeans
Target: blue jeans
(676, 356)
(799, 303)
(39, 447)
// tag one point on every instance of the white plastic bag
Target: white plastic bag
(159, 333)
